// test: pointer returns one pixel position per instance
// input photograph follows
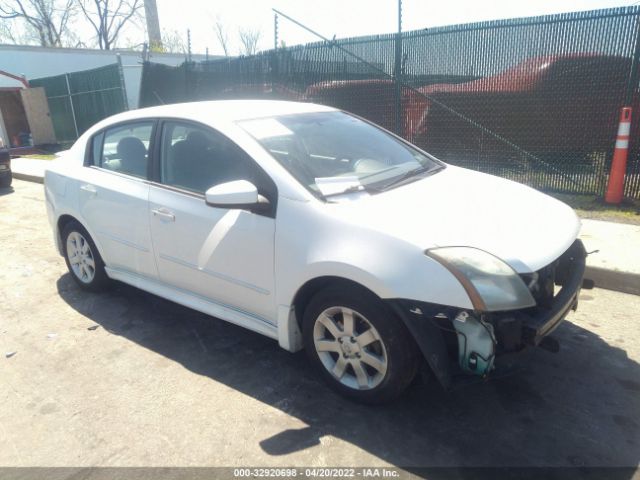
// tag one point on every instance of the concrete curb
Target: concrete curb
(625, 282)
(28, 178)
(619, 281)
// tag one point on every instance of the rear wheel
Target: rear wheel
(360, 347)
(82, 258)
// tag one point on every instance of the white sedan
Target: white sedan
(322, 231)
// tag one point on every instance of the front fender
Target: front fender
(311, 244)
(417, 317)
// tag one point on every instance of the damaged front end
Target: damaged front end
(456, 341)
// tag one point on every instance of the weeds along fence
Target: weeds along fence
(535, 99)
(78, 100)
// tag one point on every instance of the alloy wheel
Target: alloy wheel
(81, 257)
(350, 348)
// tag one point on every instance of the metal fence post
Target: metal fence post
(73, 111)
(274, 69)
(122, 84)
(187, 78)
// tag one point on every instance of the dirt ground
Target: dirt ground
(156, 384)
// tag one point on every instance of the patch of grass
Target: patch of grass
(595, 208)
(40, 157)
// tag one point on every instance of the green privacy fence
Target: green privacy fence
(535, 99)
(78, 100)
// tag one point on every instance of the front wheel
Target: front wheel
(360, 347)
(82, 258)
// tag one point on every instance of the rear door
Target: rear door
(114, 196)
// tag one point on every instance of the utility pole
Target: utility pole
(153, 25)
(275, 31)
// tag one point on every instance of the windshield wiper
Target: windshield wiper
(351, 189)
(369, 188)
(410, 174)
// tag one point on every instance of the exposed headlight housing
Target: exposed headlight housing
(491, 284)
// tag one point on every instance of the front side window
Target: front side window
(195, 158)
(124, 149)
(332, 153)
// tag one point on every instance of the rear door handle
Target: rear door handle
(164, 213)
(87, 187)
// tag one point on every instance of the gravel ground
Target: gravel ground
(156, 384)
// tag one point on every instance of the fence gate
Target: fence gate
(78, 100)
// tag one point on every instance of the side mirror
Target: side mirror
(236, 194)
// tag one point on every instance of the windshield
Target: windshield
(332, 153)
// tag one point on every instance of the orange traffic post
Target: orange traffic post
(619, 163)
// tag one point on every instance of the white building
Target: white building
(37, 62)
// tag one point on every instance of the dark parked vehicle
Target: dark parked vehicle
(5, 168)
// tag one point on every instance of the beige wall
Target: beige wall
(36, 108)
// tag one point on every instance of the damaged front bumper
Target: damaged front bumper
(538, 322)
(511, 331)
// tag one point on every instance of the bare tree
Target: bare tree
(172, 42)
(47, 20)
(10, 33)
(108, 17)
(223, 36)
(249, 39)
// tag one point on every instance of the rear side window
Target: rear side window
(124, 149)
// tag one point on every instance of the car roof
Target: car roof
(227, 110)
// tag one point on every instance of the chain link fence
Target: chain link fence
(80, 99)
(535, 100)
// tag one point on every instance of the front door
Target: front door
(224, 255)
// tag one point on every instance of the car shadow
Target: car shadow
(576, 408)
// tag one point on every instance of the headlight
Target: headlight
(491, 284)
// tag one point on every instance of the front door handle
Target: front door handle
(164, 213)
(87, 187)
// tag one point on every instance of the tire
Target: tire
(377, 362)
(83, 259)
(5, 181)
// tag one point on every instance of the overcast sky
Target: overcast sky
(344, 18)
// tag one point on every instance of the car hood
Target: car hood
(460, 207)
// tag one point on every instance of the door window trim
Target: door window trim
(154, 178)
(88, 154)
